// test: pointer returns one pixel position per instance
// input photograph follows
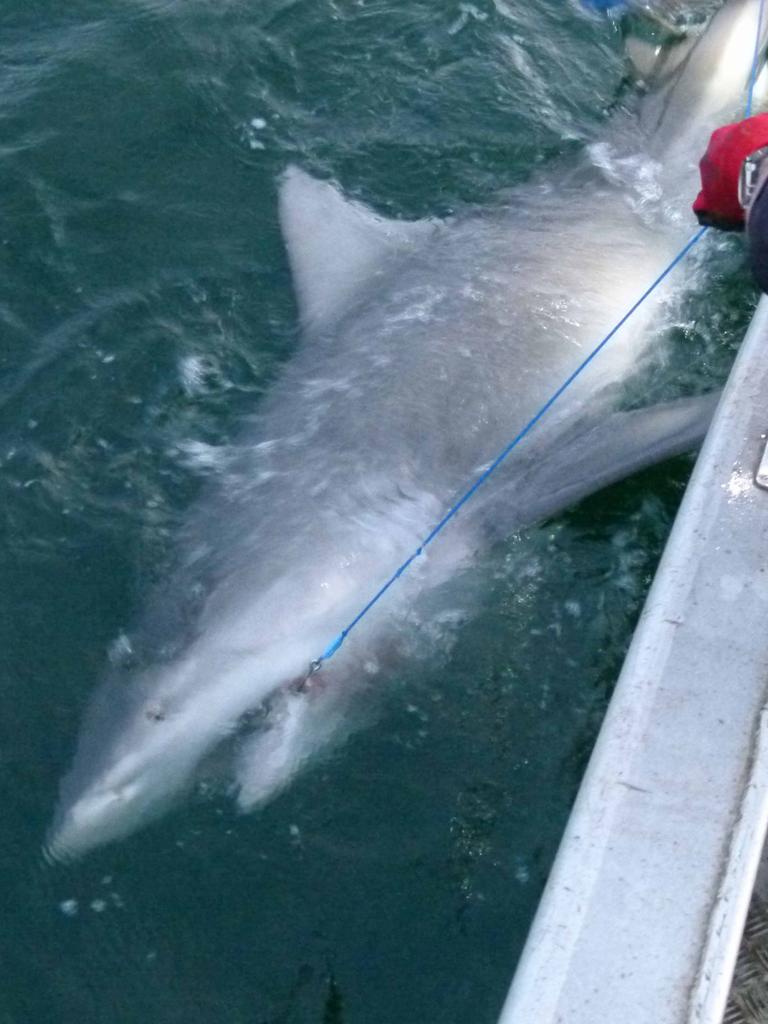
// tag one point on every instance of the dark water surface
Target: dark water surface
(145, 305)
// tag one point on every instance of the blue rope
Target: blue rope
(334, 646)
(755, 60)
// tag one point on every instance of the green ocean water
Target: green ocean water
(145, 306)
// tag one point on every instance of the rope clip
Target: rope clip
(301, 685)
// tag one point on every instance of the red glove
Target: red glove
(717, 205)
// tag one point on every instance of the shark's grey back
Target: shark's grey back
(436, 358)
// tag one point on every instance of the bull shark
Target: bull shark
(427, 345)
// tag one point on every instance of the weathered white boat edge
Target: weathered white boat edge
(645, 905)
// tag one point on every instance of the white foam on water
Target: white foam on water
(203, 457)
(121, 649)
(193, 371)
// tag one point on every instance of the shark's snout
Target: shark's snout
(96, 817)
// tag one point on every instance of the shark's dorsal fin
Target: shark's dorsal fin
(335, 245)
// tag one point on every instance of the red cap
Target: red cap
(718, 202)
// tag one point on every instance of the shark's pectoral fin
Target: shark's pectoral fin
(621, 444)
(335, 245)
(297, 726)
(268, 759)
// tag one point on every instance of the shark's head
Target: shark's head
(133, 759)
(147, 733)
(109, 808)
